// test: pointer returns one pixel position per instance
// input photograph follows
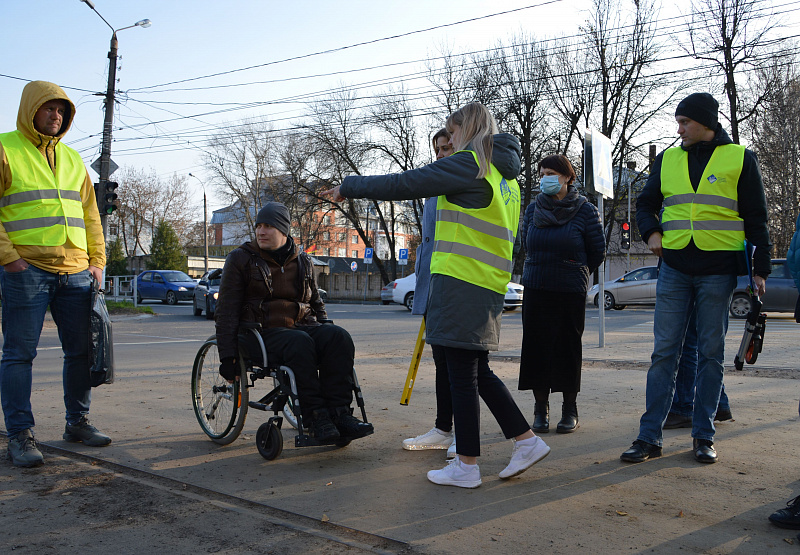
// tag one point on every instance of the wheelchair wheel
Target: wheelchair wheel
(269, 441)
(287, 411)
(220, 407)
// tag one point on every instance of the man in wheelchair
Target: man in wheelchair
(271, 282)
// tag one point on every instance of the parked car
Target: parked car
(781, 295)
(387, 293)
(402, 292)
(206, 294)
(323, 294)
(637, 287)
(168, 286)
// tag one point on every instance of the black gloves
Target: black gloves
(228, 368)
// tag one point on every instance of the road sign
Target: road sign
(112, 167)
(402, 258)
(354, 265)
(368, 255)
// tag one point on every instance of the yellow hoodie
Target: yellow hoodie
(66, 258)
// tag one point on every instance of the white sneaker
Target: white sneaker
(451, 451)
(456, 474)
(434, 439)
(525, 456)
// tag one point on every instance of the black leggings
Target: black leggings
(470, 376)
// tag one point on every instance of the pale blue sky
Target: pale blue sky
(65, 42)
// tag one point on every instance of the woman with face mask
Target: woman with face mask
(564, 244)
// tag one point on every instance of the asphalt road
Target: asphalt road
(374, 486)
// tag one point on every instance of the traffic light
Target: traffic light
(108, 198)
(625, 236)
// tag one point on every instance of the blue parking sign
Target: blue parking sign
(402, 257)
(368, 255)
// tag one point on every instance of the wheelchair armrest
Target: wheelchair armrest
(250, 325)
(325, 321)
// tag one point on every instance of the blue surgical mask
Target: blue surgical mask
(549, 185)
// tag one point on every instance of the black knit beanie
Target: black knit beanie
(276, 215)
(701, 107)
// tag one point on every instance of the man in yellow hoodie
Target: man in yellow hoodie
(51, 245)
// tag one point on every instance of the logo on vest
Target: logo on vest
(506, 192)
(712, 178)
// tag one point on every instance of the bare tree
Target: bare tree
(145, 200)
(775, 135)
(731, 34)
(242, 163)
(623, 50)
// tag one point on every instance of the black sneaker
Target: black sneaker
(675, 420)
(640, 451)
(86, 433)
(22, 450)
(321, 427)
(788, 517)
(349, 426)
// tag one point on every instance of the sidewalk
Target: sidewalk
(579, 499)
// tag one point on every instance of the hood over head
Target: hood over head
(506, 155)
(34, 95)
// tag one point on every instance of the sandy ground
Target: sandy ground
(579, 499)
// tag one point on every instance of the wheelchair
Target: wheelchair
(221, 407)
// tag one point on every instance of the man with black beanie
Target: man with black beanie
(270, 281)
(712, 198)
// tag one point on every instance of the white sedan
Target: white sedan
(402, 291)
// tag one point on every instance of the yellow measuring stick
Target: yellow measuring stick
(414, 366)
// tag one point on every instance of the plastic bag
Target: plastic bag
(101, 343)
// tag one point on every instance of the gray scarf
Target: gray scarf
(551, 212)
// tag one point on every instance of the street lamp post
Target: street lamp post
(205, 222)
(105, 150)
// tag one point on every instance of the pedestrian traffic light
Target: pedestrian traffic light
(109, 198)
(625, 236)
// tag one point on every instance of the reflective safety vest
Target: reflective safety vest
(710, 215)
(476, 245)
(40, 208)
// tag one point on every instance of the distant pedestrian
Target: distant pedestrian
(713, 199)
(51, 245)
(564, 244)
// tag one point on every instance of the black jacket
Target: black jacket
(561, 257)
(752, 209)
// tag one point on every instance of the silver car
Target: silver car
(781, 295)
(636, 287)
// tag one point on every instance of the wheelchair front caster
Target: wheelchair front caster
(269, 441)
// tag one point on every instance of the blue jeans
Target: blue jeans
(676, 293)
(26, 296)
(683, 401)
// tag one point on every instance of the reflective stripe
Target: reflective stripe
(39, 194)
(487, 228)
(475, 253)
(713, 200)
(33, 223)
(703, 225)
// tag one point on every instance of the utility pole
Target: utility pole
(105, 151)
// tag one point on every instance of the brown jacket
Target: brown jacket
(255, 288)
